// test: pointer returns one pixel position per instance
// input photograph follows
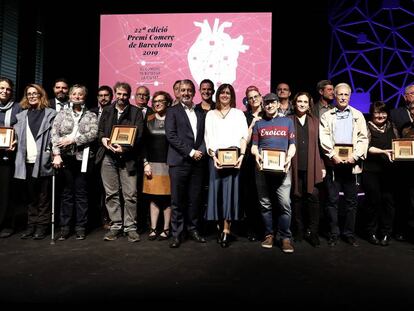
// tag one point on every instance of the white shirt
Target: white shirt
(225, 132)
(193, 119)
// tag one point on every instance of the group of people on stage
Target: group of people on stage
(174, 161)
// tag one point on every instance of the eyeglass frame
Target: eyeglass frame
(254, 97)
(141, 95)
(35, 94)
(158, 101)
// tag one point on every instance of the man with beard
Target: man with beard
(61, 90)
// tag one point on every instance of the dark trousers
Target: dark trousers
(305, 207)
(249, 200)
(39, 195)
(186, 186)
(404, 199)
(337, 179)
(7, 191)
(75, 195)
(379, 202)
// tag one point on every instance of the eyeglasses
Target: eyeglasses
(254, 97)
(159, 101)
(270, 102)
(104, 95)
(32, 95)
(382, 114)
(141, 95)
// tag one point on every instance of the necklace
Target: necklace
(224, 115)
(161, 120)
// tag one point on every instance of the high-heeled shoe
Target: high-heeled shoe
(152, 235)
(164, 235)
(225, 240)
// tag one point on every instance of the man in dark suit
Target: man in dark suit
(61, 91)
(185, 133)
(402, 118)
(104, 97)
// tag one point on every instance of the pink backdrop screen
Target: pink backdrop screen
(157, 49)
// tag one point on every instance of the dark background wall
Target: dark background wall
(70, 34)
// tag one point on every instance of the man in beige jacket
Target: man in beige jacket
(344, 142)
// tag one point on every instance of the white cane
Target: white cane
(52, 236)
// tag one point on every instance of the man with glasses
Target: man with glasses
(105, 96)
(142, 97)
(285, 106)
(274, 132)
(340, 126)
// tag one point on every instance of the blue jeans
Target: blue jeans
(268, 185)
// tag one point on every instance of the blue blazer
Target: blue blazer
(180, 135)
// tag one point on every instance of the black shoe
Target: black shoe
(28, 233)
(64, 233)
(225, 240)
(194, 235)
(252, 237)
(6, 232)
(399, 237)
(351, 241)
(385, 241)
(175, 243)
(80, 234)
(164, 235)
(332, 241)
(372, 238)
(40, 232)
(152, 234)
(313, 239)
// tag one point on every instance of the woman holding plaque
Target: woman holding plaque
(225, 137)
(74, 129)
(8, 110)
(308, 170)
(378, 177)
(156, 178)
(33, 158)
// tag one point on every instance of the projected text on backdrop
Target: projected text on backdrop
(157, 49)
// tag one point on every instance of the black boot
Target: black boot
(28, 233)
(40, 232)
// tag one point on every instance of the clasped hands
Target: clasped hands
(115, 148)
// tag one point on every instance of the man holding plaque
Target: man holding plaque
(119, 161)
(184, 128)
(344, 141)
(403, 119)
(278, 133)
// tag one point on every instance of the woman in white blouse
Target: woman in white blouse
(225, 127)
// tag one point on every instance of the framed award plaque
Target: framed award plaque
(273, 160)
(228, 156)
(403, 149)
(343, 151)
(123, 135)
(6, 137)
